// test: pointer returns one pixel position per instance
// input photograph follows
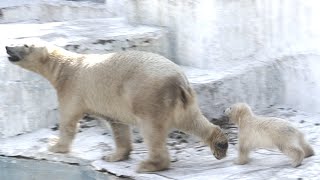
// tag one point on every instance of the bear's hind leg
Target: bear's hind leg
(122, 138)
(295, 153)
(155, 134)
(308, 151)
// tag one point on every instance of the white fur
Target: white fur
(132, 87)
(267, 132)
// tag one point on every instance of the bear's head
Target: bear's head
(237, 112)
(218, 142)
(30, 57)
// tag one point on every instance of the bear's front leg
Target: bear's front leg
(243, 155)
(67, 130)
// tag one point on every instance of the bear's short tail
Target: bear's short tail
(186, 96)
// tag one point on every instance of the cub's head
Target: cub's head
(218, 142)
(30, 57)
(238, 111)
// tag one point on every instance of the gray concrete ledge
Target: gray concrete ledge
(21, 168)
(190, 158)
(51, 10)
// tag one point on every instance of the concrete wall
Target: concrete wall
(213, 34)
(51, 10)
(207, 33)
(27, 101)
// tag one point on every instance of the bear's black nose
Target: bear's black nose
(9, 50)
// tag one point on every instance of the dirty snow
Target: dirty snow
(190, 158)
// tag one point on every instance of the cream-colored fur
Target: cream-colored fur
(132, 88)
(267, 132)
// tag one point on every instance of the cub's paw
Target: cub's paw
(296, 164)
(240, 161)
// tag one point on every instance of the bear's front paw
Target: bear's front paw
(58, 148)
(116, 156)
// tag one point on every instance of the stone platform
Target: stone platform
(190, 158)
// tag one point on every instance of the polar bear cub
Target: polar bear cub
(266, 132)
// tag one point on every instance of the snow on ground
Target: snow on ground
(190, 158)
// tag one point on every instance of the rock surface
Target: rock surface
(205, 34)
(190, 158)
(50, 10)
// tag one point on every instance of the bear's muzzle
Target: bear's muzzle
(13, 55)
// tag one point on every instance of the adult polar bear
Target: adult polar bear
(131, 87)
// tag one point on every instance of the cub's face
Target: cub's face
(230, 112)
(236, 111)
(27, 56)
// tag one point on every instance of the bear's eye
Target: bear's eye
(26, 46)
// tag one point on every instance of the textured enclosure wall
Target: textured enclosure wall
(211, 33)
(51, 10)
(261, 51)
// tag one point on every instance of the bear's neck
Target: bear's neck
(61, 67)
(244, 119)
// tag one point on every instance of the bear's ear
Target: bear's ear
(44, 54)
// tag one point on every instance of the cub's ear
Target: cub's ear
(227, 111)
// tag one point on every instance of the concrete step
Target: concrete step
(50, 10)
(288, 80)
(258, 83)
(92, 35)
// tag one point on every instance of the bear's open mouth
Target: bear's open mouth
(13, 57)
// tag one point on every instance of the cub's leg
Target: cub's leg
(155, 134)
(307, 149)
(67, 129)
(243, 154)
(295, 153)
(121, 135)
